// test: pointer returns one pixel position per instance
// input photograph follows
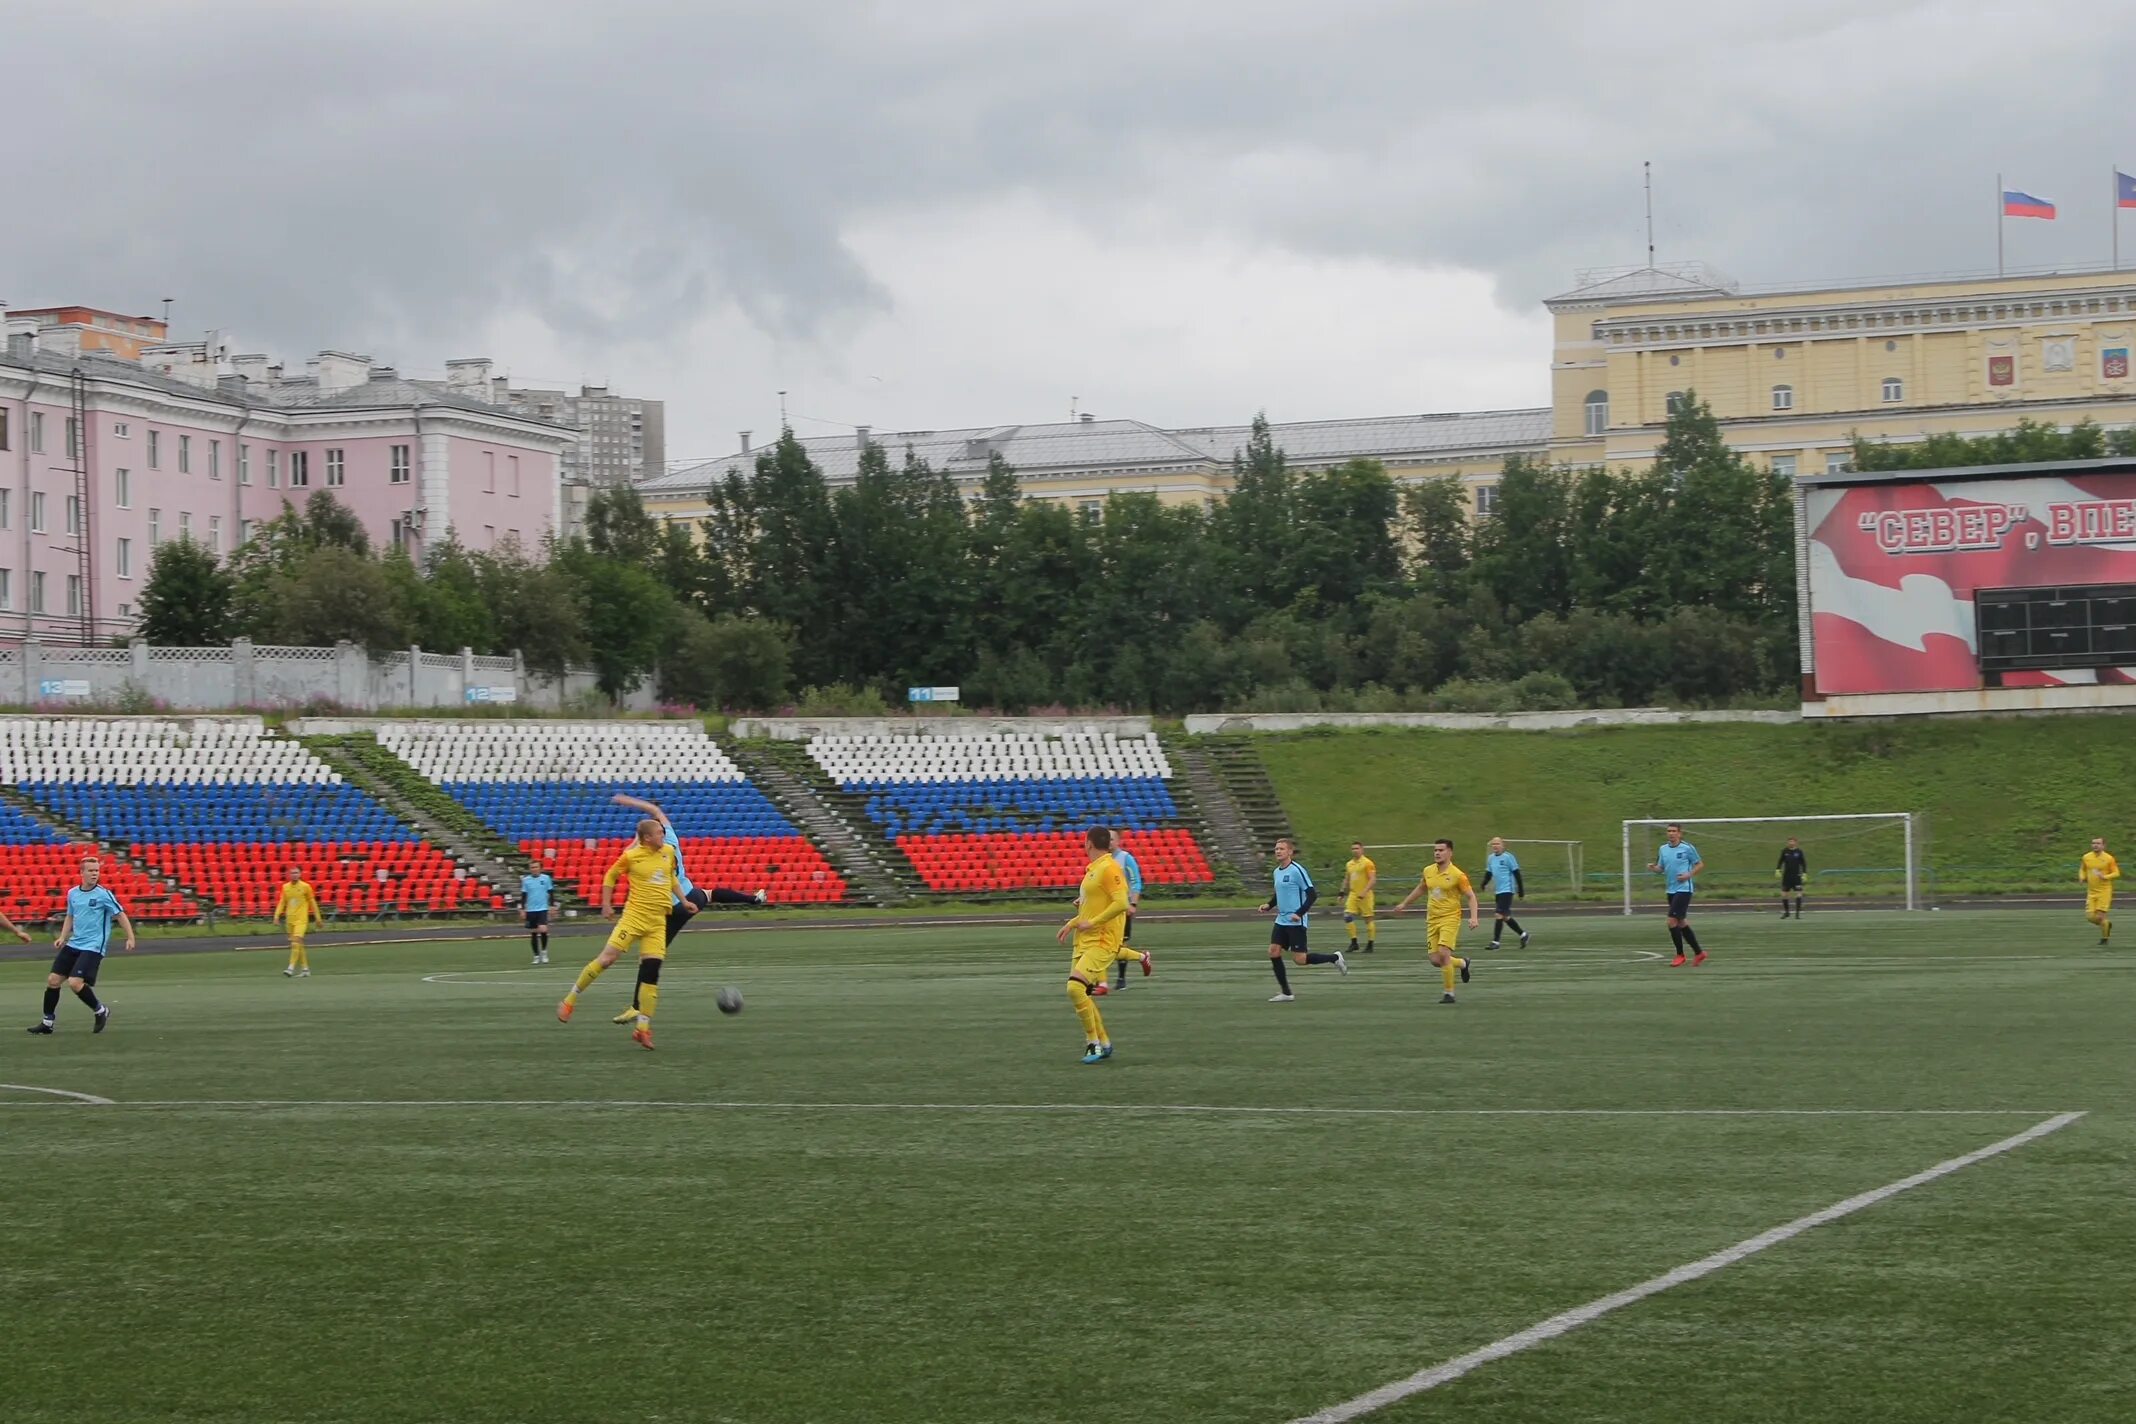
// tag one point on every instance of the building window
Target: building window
(1783, 397)
(1597, 412)
(244, 532)
(215, 459)
(126, 610)
(74, 595)
(124, 559)
(36, 432)
(155, 449)
(215, 533)
(185, 524)
(37, 511)
(400, 465)
(3, 429)
(122, 488)
(1486, 501)
(513, 462)
(489, 536)
(274, 469)
(74, 514)
(400, 534)
(4, 510)
(185, 454)
(489, 471)
(37, 593)
(74, 437)
(7, 590)
(1673, 402)
(299, 469)
(1092, 510)
(1838, 462)
(155, 528)
(1894, 389)
(1784, 466)
(244, 464)
(122, 430)
(336, 469)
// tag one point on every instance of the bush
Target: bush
(1463, 694)
(839, 699)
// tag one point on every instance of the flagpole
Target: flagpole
(2113, 215)
(1998, 225)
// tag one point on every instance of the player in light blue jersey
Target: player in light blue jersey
(689, 898)
(1132, 869)
(84, 935)
(1679, 865)
(1293, 906)
(535, 890)
(1502, 869)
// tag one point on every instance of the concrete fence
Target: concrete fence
(247, 674)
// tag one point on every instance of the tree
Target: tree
(728, 662)
(186, 603)
(441, 605)
(1719, 536)
(1521, 549)
(1437, 533)
(534, 608)
(334, 594)
(619, 527)
(2030, 442)
(630, 619)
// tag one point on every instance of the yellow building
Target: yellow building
(1793, 376)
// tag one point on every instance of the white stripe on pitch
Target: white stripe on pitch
(1594, 1310)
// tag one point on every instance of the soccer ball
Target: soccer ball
(729, 1000)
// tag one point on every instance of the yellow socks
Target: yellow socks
(1450, 972)
(298, 959)
(1086, 1009)
(648, 996)
(1371, 931)
(591, 972)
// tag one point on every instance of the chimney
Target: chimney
(339, 370)
(62, 340)
(251, 367)
(232, 386)
(22, 338)
(745, 441)
(468, 375)
(384, 373)
(861, 434)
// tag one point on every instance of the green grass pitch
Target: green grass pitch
(425, 1199)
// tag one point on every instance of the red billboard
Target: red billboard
(1894, 566)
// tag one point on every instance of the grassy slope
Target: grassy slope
(383, 1264)
(2010, 805)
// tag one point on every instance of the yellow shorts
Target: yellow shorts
(1442, 934)
(2098, 900)
(297, 933)
(1095, 961)
(650, 942)
(1361, 906)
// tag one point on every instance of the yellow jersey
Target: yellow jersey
(1357, 875)
(1445, 886)
(1102, 900)
(2100, 870)
(299, 903)
(652, 885)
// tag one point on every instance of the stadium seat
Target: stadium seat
(223, 808)
(548, 788)
(1007, 811)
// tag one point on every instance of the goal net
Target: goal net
(1551, 870)
(1874, 858)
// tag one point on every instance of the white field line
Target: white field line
(62, 1093)
(1207, 1109)
(1594, 1310)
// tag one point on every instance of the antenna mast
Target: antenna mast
(1648, 166)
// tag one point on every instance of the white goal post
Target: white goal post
(1903, 821)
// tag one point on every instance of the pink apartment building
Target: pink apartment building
(102, 459)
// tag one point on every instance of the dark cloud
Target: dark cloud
(404, 173)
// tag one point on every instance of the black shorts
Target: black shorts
(1505, 902)
(537, 919)
(1790, 882)
(79, 964)
(1290, 937)
(1680, 905)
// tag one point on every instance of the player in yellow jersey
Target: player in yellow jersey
(648, 864)
(2099, 870)
(1360, 877)
(1444, 883)
(1100, 931)
(297, 908)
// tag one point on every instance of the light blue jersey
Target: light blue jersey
(1292, 881)
(682, 880)
(1502, 870)
(94, 912)
(534, 892)
(1132, 869)
(1676, 862)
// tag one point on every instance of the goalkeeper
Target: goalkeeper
(1793, 869)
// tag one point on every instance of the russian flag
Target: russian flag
(2024, 205)
(2124, 190)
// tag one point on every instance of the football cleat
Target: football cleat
(1492, 945)
(1147, 967)
(289, 971)
(1699, 959)
(642, 1036)
(1678, 962)
(1464, 971)
(1523, 939)
(762, 897)
(1099, 991)
(1273, 999)
(628, 1016)
(565, 1010)
(103, 1017)
(1093, 1053)
(1342, 965)
(43, 1027)
(1446, 998)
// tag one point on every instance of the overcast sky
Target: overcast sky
(935, 213)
